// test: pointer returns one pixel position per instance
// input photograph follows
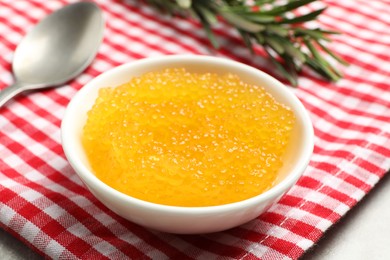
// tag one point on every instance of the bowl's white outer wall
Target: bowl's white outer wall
(185, 220)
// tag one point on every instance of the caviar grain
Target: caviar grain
(187, 139)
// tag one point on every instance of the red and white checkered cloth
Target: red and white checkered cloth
(44, 204)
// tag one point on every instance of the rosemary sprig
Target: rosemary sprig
(273, 24)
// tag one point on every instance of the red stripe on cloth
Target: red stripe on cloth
(59, 99)
(364, 96)
(41, 6)
(78, 247)
(7, 195)
(334, 138)
(356, 111)
(36, 135)
(6, 66)
(368, 98)
(132, 24)
(123, 50)
(348, 178)
(22, 13)
(363, 8)
(310, 206)
(358, 61)
(13, 27)
(93, 72)
(156, 241)
(258, 239)
(308, 182)
(368, 166)
(294, 225)
(39, 111)
(280, 245)
(4, 40)
(385, 151)
(334, 153)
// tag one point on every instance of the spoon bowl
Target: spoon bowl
(59, 48)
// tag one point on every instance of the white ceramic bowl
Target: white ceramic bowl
(186, 220)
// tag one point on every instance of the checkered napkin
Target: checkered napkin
(44, 204)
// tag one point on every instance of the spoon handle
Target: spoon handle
(11, 91)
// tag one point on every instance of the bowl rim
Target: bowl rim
(277, 190)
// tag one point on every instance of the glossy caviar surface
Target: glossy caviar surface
(186, 139)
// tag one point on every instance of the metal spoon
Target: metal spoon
(59, 48)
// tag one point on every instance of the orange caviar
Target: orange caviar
(187, 139)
